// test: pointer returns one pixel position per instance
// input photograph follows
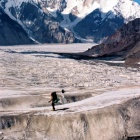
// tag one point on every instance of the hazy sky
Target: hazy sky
(138, 1)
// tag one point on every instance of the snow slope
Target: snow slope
(82, 8)
(129, 12)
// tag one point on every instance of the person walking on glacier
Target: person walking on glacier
(64, 100)
(54, 99)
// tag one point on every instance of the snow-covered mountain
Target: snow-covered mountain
(41, 26)
(88, 20)
(93, 20)
(11, 33)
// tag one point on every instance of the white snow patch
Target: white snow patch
(52, 11)
(129, 12)
(107, 5)
(110, 98)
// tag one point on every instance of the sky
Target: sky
(138, 1)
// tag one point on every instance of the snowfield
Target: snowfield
(101, 95)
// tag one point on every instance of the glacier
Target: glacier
(104, 99)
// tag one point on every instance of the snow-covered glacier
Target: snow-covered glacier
(103, 97)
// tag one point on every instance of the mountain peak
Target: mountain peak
(100, 18)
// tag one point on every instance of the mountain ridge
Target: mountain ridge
(40, 26)
(100, 18)
(125, 43)
(11, 33)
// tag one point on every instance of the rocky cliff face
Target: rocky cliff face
(11, 33)
(57, 21)
(124, 43)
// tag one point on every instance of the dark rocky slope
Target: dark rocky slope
(97, 28)
(11, 33)
(40, 25)
(125, 43)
